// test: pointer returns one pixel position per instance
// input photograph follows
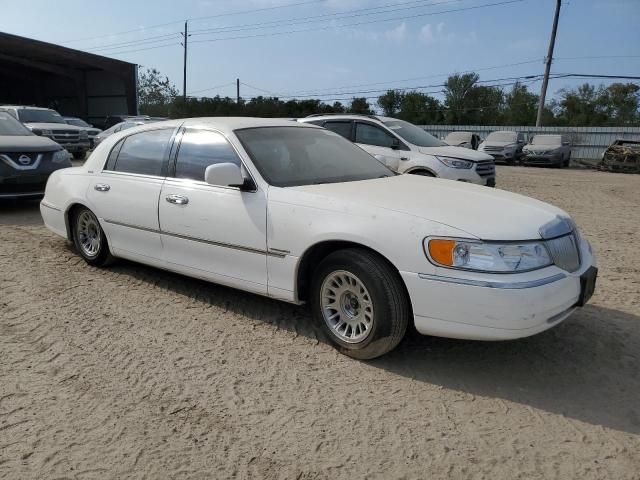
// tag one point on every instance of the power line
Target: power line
(327, 27)
(172, 44)
(112, 46)
(212, 88)
(240, 12)
(326, 16)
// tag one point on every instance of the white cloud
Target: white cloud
(432, 34)
(426, 34)
(397, 34)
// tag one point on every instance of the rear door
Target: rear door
(124, 195)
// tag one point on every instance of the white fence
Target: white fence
(588, 142)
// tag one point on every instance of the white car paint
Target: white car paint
(256, 240)
(415, 158)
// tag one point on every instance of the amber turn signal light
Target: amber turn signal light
(441, 251)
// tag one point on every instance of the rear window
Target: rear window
(142, 153)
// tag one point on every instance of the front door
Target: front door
(214, 232)
(124, 195)
(380, 143)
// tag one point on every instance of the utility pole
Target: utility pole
(184, 78)
(238, 91)
(548, 60)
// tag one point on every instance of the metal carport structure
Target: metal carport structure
(73, 82)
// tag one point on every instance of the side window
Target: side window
(144, 153)
(521, 137)
(341, 128)
(199, 149)
(372, 135)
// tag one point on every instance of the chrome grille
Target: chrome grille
(486, 168)
(490, 148)
(65, 136)
(564, 252)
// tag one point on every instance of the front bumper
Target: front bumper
(495, 307)
(470, 176)
(552, 159)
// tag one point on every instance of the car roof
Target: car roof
(31, 107)
(343, 116)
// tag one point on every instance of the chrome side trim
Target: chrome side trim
(492, 284)
(272, 252)
(48, 205)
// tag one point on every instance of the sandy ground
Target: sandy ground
(132, 372)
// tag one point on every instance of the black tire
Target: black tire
(102, 257)
(423, 173)
(391, 308)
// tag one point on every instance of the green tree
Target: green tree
(621, 103)
(360, 105)
(457, 89)
(155, 93)
(581, 106)
(390, 102)
(521, 106)
(420, 109)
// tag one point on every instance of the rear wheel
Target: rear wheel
(359, 300)
(89, 238)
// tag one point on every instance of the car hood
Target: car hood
(530, 146)
(27, 143)
(485, 213)
(497, 144)
(455, 152)
(53, 126)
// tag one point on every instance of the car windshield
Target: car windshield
(11, 127)
(77, 122)
(546, 140)
(28, 115)
(502, 137)
(293, 156)
(457, 137)
(413, 134)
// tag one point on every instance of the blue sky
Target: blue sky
(417, 47)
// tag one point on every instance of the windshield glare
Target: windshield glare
(546, 140)
(39, 116)
(413, 134)
(77, 122)
(10, 126)
(502, 137)
(294, 156)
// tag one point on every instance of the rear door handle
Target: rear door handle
(177, 199)
(101, 187)
(404, 158)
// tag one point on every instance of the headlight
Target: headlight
(60, 156)
(42, 132)
(508, 257)
(455, 162)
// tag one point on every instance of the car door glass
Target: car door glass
(144, 153)
(372, 135)
(341, 128)
(199, 149)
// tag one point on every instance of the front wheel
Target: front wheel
(89, 238)
(423, 173)
(359, 300)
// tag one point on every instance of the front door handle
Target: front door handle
(101, 187)
(404, 158)
(177, 199)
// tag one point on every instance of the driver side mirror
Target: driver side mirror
(227, 175)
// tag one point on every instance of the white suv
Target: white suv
(406, 148)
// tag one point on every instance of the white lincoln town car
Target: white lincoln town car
(298, 213)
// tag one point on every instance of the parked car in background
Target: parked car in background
(26, 159)
(406, 148)
(118, 127)
(49, 123)
(463, 139)
(112, 120)
(90, 129)
(622, 156)
(551, 150)
(298, 213)
(504, 146)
